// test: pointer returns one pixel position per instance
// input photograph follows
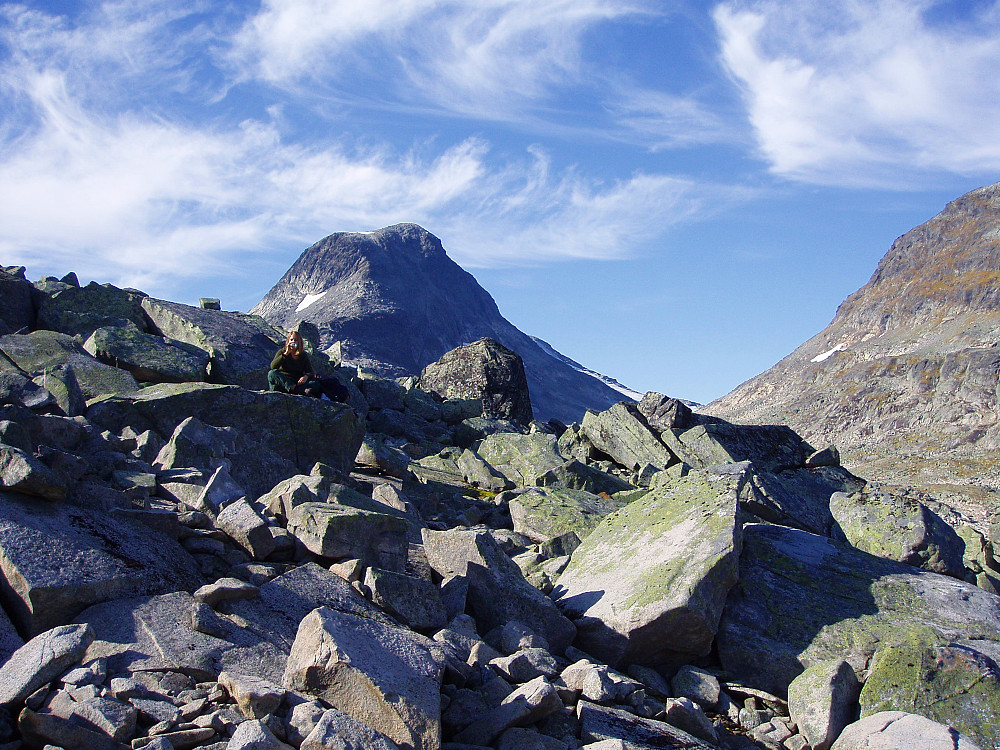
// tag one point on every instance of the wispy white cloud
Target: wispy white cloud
(474, 56)
(134, 192)
(852, 92)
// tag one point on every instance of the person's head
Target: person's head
(294, 342)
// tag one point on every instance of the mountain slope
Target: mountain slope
(904, 379)
(397, 302)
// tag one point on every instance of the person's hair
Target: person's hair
(297, 337)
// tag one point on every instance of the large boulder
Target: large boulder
(79, 311)
(648, 584)
(823, 700)
(484, 370)
(544, 513)
(804, 599)
(497, 591)
(384, 676)
(41, 351)
(898, 730)
(241, 346)
(58, 559)
(340, 531)
(951, 684)
(900, 529)
(798, 497)
(770, 447)
(521, 458)
(39, 661)
(299, 429)
(621, 432)
(150, 359)
(17, 311)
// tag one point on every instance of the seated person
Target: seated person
(291, 371)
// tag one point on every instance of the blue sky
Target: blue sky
(674, 193)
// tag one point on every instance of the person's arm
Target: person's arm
(306, 365)
(276, 362)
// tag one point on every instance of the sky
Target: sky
(675, 193)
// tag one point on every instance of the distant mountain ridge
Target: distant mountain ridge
(904, 380)
(396, 302)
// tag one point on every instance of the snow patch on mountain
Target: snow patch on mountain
(308, 300)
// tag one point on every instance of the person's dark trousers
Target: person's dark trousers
(279, 381)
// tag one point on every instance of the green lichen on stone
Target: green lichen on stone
(949, 684)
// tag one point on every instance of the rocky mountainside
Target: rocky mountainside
(188, 561)
(904, 380)
(396, 302)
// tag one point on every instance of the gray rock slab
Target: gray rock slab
(41, 660)
(241, 345)
(256, 697)
(412, 601)
(17, 311)
(244, 525)
(622, 433)
(59, 559)
(46, 350)
(598, 723)
(46, 730)
(275, 614)
(255, 735)
(342, 532)
(335, 729)
(649, 583)
(21, 472)
(803, 599)
(150, 359)
(383, 676)
(822, 700)
(497, 592)
(770, 447)
(896, 730)
(299, 429)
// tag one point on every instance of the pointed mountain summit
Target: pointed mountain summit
(396, 302)
(904, 379)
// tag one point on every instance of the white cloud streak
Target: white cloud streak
(142, 196)
(866, 93)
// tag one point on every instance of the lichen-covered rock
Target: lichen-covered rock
(521, 458)
(381, 675)
(804, 599)
(150, 359)
(599, 723)
(663, 413)
(648, 584)
(248, 528)
(484, 370)
(37, 352)
(822, 701)
(798, 497)
(549, 512)
(951, 684)
(335, 729)
(241, 346)
(297, 428)
(622, 433)
(900, 529)
(80, 311)
(497, 591)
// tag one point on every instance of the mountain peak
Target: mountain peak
(396, 302)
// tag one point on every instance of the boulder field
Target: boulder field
(190, 561)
